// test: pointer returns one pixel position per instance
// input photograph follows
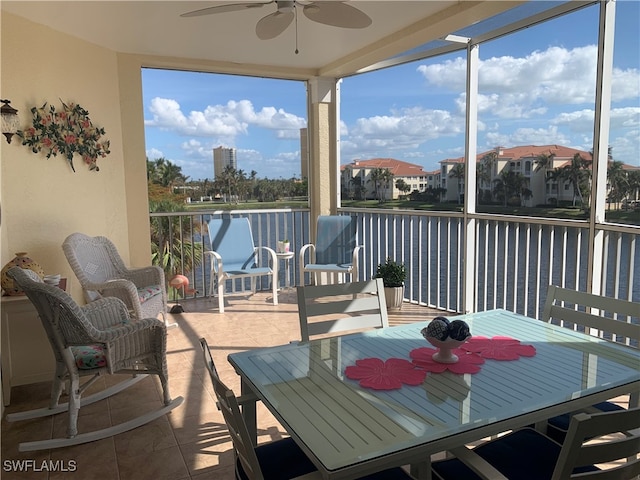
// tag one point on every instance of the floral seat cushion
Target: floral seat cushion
(89, 356)
(147, 292)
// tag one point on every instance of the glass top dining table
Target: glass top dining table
(350, 427)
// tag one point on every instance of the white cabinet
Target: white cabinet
(26, 353)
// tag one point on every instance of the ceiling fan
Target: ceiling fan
(334, 13)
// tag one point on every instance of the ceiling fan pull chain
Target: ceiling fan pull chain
(295, 12)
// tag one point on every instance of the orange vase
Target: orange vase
(22, 261)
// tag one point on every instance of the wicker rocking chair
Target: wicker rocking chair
(102, 273)
(93, 340)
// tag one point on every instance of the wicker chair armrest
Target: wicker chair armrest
(106, 312)
(112, 287)
(121, 331)
(145, 276)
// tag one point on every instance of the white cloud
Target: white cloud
(525, 87)
(627, 146)
(527, 136)
(223, 121)
(154, 153)
(405, 129)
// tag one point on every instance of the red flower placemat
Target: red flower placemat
(467, 362)
(498, 348)
(385, 375)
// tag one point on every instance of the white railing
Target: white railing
(516, 258)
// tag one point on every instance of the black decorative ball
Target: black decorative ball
(459, 330)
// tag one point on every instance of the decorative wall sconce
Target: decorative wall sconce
(9, 119)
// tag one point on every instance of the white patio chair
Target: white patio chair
(281, 459)
(276, 460)
(235, 256)
(93, 340)
(357, 305)
(527, 454)
(605, 317)
(102, 273)
(335, 251)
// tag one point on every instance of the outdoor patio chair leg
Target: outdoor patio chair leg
(221, 295)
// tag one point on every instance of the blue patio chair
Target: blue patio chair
(235, 256)
(335, 251)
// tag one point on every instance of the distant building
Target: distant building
(524, 160)
(222, 158)
(304, 153)
(357, 174)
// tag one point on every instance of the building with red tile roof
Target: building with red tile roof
(355, 178)
(524, 160)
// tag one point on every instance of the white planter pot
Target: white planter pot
(394, 297)
(283, 247)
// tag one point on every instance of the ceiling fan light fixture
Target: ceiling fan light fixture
(335, 13)
(285, 6)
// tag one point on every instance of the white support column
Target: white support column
(469, 265)
(322, 131)
(601, 123)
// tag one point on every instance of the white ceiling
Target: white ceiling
(155, 30)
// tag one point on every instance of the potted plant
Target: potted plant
(283, 246)
(393, 275)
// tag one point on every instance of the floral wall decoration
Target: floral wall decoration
(65, 132)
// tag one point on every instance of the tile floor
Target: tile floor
(189, 443)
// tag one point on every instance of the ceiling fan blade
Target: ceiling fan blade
(336, 14)
(230, 7)
(273, 25)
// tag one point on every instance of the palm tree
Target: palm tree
(354, 187)
(228, 179)
(403, 186)
(457, 172)
(511, 184)
(543, 162)
(485, 170)
(380, 177)
(618, 182)
(163, 172)
(578, 174)
(171, 175)
(387, 180)
(171, 248)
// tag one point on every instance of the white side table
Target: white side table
(26, 355)
(286, 256)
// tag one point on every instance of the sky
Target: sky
(537, 87)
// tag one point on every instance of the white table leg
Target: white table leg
(249, 413)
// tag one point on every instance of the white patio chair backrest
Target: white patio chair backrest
(605, 317)
(238, 431)
(351, 306)
(614, 443)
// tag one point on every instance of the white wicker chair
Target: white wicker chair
(93, 340)
(102, 273)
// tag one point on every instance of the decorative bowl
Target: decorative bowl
(445, 347)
